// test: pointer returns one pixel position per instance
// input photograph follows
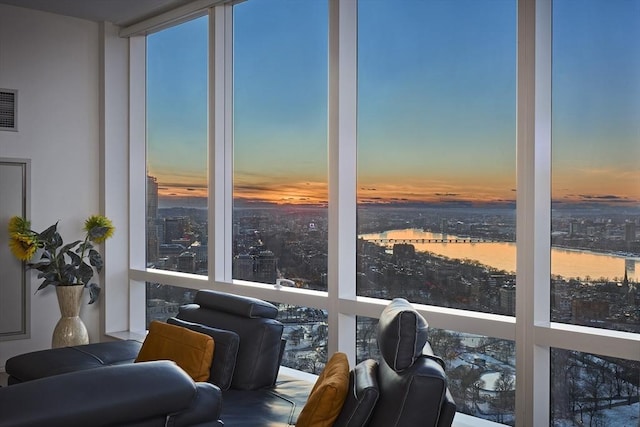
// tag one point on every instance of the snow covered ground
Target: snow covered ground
(620, 416)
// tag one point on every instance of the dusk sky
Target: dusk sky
(436, 101)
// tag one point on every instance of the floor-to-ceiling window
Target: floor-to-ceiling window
(176, 169)
(595, 249)
(280, 161)
(435, 127)
(436, 175)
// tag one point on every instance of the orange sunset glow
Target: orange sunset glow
(568, 189)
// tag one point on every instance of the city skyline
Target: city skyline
(436, 117)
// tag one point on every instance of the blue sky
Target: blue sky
(436, 86)
(596, 99)
(177, 105)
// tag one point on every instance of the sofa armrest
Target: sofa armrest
(448, 411)
(362, 396)
(55, 361)
(205, 406)
(113, 395)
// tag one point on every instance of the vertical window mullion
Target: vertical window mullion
(533, 209)
(525, 222)
(220, 142)
(137, 188)
(540, 367)
(342, 173)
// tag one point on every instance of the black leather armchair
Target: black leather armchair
(141, 394)
(412, 381)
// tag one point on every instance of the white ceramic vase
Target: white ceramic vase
(70, 329)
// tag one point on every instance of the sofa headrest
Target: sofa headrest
(236, 304)
(402, 333)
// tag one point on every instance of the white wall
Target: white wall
(53, 62)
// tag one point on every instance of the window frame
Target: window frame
(531, 328)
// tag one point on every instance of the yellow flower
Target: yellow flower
(99, 228)
(23, 246)
(18, 225)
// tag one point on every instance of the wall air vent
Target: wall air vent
(8, 109)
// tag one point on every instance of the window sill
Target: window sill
(127, 335)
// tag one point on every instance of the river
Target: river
(568, 263)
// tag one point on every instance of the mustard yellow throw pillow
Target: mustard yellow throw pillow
(192, 351)
(327, 395)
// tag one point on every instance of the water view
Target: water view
(568, 263)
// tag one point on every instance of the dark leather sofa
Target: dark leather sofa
(142, 394)
(407, 387)
(50, 362)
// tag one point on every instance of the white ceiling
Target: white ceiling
(119, 12)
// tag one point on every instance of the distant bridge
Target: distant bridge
(456, 240)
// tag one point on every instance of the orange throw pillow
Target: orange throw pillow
(328, 394)
(192, 351)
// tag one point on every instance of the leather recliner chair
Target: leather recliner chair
(412, 383)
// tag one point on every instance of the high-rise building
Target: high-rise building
(152, 241)
(404, 252)
(243, 267)
(187, 262)
(152, 220)
(630, 232)
(573, 228)
(561, 300)
(152, 197)
(265, 267)
(508, 298)
(175, 228)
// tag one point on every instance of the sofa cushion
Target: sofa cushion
(191, 350)
(226, 349)
(276, 406)
(362, 395)
(327, 395)
(402, 333)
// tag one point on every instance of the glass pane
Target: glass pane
(436, 152)
(280, 142)
(595, 253)
(591, 390)
(480, 370)
(177, 148)
(163, 301)
(306, 331)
